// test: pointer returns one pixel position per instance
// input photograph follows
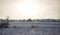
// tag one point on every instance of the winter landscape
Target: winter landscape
(29, 17)
(31, 28)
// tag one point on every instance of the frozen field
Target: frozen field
(43, 28)
(28, 24)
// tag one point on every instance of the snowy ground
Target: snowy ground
(44, 28)
(28, 24)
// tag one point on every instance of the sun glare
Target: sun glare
(27, 9)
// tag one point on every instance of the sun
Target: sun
(27, 9)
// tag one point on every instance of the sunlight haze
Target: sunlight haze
(34, 9)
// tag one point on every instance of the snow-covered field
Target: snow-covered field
(43, 28)
(28, 24)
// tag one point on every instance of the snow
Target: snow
(42, 29)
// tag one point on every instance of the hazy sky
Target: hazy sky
(35, 9)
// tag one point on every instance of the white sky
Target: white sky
(35, 9)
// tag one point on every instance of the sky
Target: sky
(34, 9)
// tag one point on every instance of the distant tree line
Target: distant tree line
(40, 20)
(35, 20)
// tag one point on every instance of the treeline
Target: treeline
(48, 20)
(34, 20)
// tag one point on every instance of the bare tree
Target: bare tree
(5, 23)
